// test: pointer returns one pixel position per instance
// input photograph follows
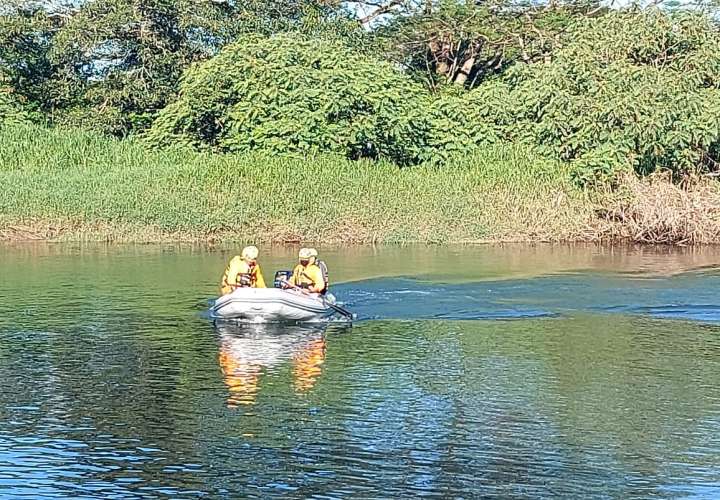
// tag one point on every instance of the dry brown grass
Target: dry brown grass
(656, 210)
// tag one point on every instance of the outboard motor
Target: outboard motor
(281, 276)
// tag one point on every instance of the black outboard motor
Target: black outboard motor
(281, 276)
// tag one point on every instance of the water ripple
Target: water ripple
(583, 390)
(689, 296)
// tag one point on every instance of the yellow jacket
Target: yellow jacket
(307, 276)
(235, 269)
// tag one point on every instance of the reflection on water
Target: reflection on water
(248, 350)
(476, 373)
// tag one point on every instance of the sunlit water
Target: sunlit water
(502, 372)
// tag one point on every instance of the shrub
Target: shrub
(11, 112)
(462, 122)
(631, 89)
(292, 95)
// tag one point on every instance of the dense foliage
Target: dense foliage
(11, 112)
(85, 185)
(628, 90)
(639, 90)
(464, 43)
(291, 94)
(409, 81)
(113, 64)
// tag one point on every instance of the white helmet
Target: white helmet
(306, 253)
(250, 253)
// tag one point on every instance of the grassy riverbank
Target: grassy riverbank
(77, 185)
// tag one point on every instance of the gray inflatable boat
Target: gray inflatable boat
(272, 305)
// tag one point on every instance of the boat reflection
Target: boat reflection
(247, 351)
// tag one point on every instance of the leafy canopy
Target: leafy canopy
(632, 89)
(293, 94)
(11, 113)
(113, 64)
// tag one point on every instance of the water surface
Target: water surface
(509, 371)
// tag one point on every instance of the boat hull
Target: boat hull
(271, 305)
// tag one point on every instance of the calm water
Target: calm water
(521, 372)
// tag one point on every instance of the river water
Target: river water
(508, 372)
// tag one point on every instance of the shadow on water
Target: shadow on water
(689, 296)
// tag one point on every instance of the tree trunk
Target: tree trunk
(465, 70)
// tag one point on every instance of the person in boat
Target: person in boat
(243, 271)
(309, 274)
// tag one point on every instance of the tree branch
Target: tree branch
(384, 9)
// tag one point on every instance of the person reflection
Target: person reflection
(248, 351)
(307, 364)
(241, 377)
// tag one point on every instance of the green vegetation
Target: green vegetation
(111, 65)
(291, 94)
(79, 184)
(11, 112)
(628, 91)
(415, 106)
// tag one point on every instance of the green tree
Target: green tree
(295, 95)
(631, 89)
(26, 34)
(112, 64)
(464, 42)
(10, 110)
(636, 89)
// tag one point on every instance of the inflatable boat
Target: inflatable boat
(272, 305)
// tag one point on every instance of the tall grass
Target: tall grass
(78, 184)
(656, 210)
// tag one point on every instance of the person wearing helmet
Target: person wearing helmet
(242, 271)
(307, 274)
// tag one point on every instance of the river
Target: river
(490, 371)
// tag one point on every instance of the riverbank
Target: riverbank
(77, 185)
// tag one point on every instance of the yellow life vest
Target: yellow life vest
(307, 276)
(240, 274)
